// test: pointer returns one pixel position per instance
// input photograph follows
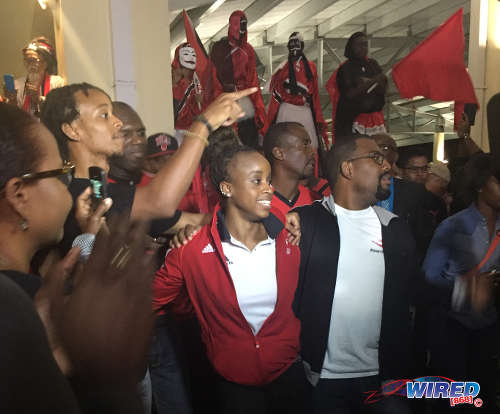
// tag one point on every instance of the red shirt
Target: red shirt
(303, 198)
(321, 189)
(199, 268)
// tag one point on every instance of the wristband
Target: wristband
(201, 118)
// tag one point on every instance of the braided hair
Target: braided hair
(60, 108)
(219, 166)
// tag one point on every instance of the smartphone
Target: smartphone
(99, 182)
(9, 83)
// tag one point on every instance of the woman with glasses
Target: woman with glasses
(34, 196)
(41, 67)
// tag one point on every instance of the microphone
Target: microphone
(85, 242)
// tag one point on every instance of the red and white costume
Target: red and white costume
(185, 90)
(304, 107)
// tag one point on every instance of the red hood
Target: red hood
(234, 27)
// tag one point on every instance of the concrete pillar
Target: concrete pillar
(122, 46)
(438, 148)
(484, 61)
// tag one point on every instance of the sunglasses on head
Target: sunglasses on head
(64, 174)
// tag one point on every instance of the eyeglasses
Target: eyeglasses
(376, 156)
(64, 174)
(421, 170)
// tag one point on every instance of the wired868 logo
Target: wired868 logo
(457, 392)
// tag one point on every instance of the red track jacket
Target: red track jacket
(199, 269)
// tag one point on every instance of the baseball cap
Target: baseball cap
(161, 144)
(440, 169)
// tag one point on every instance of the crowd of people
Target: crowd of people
(220, 269)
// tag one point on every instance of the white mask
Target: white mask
(187, 57)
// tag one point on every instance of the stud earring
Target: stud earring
(24, 225)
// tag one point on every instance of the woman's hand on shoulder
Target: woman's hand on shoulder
(184, 235)
(293, 227)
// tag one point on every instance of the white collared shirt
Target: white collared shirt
(254, 278)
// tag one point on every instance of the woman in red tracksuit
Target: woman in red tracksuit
(240, 274)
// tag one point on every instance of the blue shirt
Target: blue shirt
(459, 244)
(388, 204)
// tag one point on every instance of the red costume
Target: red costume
(234, 59)
(308, 94)
(186, 106)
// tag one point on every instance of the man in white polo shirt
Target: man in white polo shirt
(352, 297)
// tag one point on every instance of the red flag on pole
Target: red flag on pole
(206, 82)
(436, 69)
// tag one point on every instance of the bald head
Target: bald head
(287, 146)
(134, 135)
(125, 113)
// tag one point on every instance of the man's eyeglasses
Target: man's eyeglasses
(421, 170)
(376, 156)
(64, 174)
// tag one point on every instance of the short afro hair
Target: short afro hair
(475, 174)
(342, 150)
(274, 135)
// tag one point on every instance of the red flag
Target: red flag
(207, 81)
(436, 69)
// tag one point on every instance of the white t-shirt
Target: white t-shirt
(357, 304)
(254, 279)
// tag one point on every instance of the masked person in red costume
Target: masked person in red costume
(234, 59)
(190, 96)
(295, 95)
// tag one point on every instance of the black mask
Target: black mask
(295, 47)
(243, 28)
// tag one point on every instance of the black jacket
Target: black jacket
(320, 247)
(414, 204)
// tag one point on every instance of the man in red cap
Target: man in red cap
(234, 59)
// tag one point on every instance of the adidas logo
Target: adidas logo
(208, 249)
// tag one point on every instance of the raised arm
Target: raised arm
(163, 194)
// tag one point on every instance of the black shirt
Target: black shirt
(122, 194)
(348, 77)
(29, 283)
(30, 380)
